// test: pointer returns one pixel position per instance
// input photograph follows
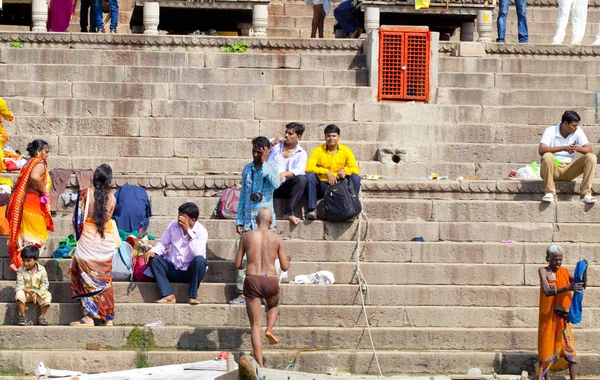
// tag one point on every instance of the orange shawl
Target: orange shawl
(14, 211)
(556, 347)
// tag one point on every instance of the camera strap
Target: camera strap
(252, 189)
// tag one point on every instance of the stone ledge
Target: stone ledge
(71, 40)
(530, 49)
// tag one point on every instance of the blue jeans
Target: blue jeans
(343, 15)
(164, 272)
(114, 14)
(521, 6)
(317, 188)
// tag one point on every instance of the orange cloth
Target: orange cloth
(6, 115)
(3, 221)
(556, 347)
(27, 215)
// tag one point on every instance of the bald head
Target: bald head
(264, 214)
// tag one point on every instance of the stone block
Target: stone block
(485, 211)
(151, 74)
(230, 92)
(416, 113)
(577, 232)
(74, 73)
(469, 64)
(577, 212)
(403, 231)
(317, 61)
(116, 146)
(274, 32)
(515, 81)
(466, 80)
(545, 97)
(537, 65)
(325, 94)
(133, 164)
(356, 77)
(469, 49)
(529, 115)
(119, 91)
(96, 107)
(496, 231)
(467, 96)
(210, 148)
(199, 128)
(250, 60)
(202, 109)
(14, 72)
(35, 89)
(297, 9)
(25, 106)
(276, 9)
(337, 112)
(398, 210)
(52, 56)
(208, 165)
(144, 58)
(78, 126)
(239, 76)
(195, 59)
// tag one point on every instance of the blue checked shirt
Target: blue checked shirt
(264, 180)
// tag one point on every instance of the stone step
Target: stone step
(540, 64)
(355, 361)
(549, 14)
(516, 81)
(220, 271)
(549, 27)
(150, 74)
(338, 61)
(224, 315)
(525, 97)
(338, 294)
(227, 338)
(545, 39)
(299, 22)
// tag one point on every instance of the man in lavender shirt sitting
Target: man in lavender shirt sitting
(180, 255)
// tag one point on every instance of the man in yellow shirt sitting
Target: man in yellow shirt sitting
(328, 163)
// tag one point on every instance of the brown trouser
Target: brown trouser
(585, 165)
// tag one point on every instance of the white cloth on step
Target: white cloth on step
(320, 277)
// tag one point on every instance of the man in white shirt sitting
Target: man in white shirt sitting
(290, 159)
(180, 255)
(558, 149)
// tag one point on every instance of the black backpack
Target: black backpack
(341, 202)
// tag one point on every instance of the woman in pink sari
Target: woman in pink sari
(59, 15)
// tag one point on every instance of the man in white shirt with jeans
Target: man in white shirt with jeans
(290, 158)
(558, 149)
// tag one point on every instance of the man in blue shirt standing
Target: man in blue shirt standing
(259, 180)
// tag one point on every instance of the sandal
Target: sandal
(81, 323)
(23, 321)
(42, 321)
(194, 301)
(240, 300)
(106, 324)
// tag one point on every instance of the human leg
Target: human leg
(99, 16)
(355, 178)
(114, 14)
(44, 304)
(586, 165)
(272, 312)
(572, 370)
(83, 16)
(343, 15)
(501, 20)
(321, 22)
(294, 189)
(21, 299)
(564, 8)
(521, 6)
(317, 9)
(547, 172)
(194, 275)
(253, 310)
(578, 21)
(312, 184)
(160, 269)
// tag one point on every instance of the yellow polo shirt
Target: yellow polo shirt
(321, 161)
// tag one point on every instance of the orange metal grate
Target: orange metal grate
(404, 63)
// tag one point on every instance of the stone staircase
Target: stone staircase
(174, 115)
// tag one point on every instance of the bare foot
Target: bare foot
(271, 337)
(294, 219)
(168, 299)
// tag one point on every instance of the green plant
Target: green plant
(239, 47)
(140, 339)
(16, 44)
(141, 360)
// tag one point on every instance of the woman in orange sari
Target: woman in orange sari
(97, 239)
(28, 211)
(556, 348)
